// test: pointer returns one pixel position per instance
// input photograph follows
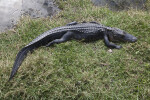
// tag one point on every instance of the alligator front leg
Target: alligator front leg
(67, 36)
(109, 44)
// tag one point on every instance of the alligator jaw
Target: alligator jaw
(129, 38)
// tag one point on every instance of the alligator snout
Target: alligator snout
(129, 38)
(134, 39)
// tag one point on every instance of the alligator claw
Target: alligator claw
(118, 47)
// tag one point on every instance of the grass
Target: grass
(76, 70)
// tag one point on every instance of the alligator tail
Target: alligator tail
(19, 59)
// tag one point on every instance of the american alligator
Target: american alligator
(87, 31)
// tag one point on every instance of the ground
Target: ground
(76, 70)
(12, 10)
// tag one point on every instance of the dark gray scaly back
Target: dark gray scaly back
(82, 27)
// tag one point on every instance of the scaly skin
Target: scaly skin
(79, 31)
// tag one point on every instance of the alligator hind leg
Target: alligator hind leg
(72, 23)
(94, 22)
(67, 36)
(109, 44)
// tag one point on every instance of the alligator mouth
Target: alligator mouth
(130, 38)
(134, 39)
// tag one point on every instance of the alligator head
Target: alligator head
(116, 34)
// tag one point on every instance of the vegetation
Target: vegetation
(77, 70)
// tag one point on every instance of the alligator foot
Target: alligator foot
(109, 44)
(118, 47)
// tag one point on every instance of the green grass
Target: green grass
(76, 70)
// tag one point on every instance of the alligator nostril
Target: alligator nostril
(134, 39)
